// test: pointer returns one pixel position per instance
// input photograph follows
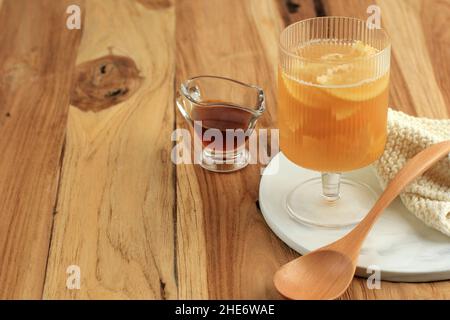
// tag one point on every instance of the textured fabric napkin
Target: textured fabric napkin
(428, 197)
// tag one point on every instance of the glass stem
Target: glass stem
(330, 185)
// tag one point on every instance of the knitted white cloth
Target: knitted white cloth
(428, 197)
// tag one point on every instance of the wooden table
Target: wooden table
(85, 173)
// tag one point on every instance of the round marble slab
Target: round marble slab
(399, 245)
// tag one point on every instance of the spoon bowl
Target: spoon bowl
(296, 281)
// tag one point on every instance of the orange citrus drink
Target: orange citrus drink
(332, 106)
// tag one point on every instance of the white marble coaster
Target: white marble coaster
(402, 246)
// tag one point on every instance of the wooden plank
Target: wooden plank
(35, 78)
(413, 36)
(434, 19)
(115, 213)
(242, 253)
(414, 89)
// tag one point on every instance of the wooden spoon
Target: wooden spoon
(327, 272)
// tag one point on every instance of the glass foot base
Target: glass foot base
(224, 162)
(306, 204)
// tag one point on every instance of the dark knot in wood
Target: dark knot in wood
(104, 82)
(292, 6)
(156, 4)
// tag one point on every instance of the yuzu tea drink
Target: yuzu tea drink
(332, 106)
(333, 84)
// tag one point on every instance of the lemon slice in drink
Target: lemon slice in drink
(300, 90)
(364, 91)
(352, 79)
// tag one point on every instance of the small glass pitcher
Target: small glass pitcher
(223, 113)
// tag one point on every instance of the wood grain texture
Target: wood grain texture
(116, 203)
(136, 225)
(34, 102)
(104, 82)
(414, 52)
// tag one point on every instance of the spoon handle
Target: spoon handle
(411, 170)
